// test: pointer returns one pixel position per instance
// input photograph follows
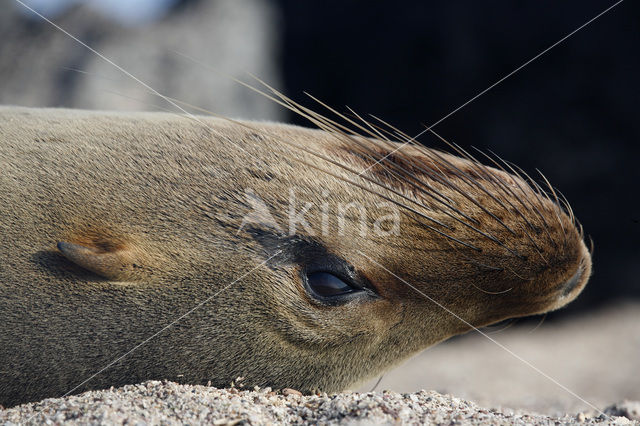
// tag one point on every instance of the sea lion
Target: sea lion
(143, 246)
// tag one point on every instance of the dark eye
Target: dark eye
(325, 284)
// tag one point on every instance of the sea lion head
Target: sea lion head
(376, 251)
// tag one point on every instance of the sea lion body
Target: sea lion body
(114, 226)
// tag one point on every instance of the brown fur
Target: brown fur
(162, 196)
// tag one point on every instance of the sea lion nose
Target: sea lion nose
(568, 286)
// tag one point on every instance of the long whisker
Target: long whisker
(492, 292)
(324, 158)
(557, 202)
(503, 185)
(437, 158)
(535, 209)
(368, 190)
(517, 182)
(471, 246)
(492, 238)
(396, 170)
(510, 324)
(544, 317)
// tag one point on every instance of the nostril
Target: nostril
(572, 282)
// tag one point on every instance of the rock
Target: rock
(628, 409)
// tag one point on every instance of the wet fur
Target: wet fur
(169, 192)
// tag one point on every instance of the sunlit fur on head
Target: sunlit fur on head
(148, 209)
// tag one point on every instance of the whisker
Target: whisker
(591, 246)
(402, 177)
(544, 222)
(492, 292)
(557, 203)
(471, 246)
(491, 237)
(505, 187)
(510, 323)
(508, 191)
(369, 125)
(535, 209)
(539, 323)
(395, 169)
(397, 193)
(311, 152)
(488, 236)
(435, 157)
(518, 275)
(479, 186)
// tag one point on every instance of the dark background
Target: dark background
(573, 113)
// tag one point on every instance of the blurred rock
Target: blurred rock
(628, 409)
(39, 65)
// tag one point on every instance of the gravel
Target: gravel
(155, 402)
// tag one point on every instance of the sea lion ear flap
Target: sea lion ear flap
(119, 264)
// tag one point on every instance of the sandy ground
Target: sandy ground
(595, 356)
(170, 403)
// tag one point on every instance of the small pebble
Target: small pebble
(289, 391)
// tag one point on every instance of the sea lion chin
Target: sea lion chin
(143, 246)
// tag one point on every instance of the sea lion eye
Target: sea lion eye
(325, 284)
